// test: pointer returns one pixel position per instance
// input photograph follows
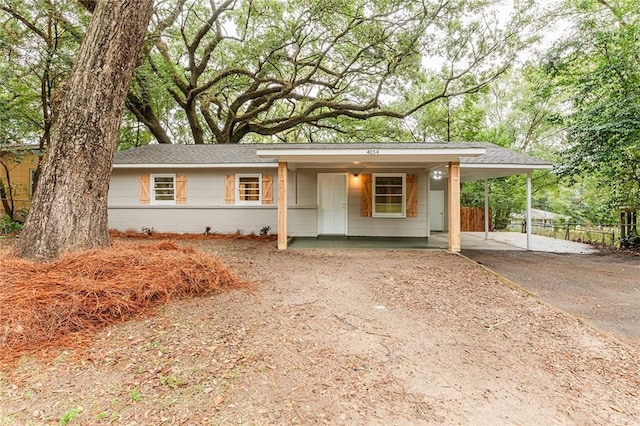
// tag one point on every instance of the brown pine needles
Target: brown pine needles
(63, 303)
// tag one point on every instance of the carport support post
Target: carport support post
(486, 209)
(454, 206)
(282, 205)
(528, 212)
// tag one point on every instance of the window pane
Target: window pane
(388, 199)
(389, 208)
(388, 195)
(389, 180)
(389, 190)
(249, 188)
(164, 188)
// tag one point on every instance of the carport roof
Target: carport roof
(478, 159)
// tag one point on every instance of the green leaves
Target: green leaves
(599, 73)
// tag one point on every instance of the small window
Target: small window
(389, 195)
(249, 189)
(163, 189)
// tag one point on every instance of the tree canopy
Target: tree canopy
(595, 72)
(240, 70)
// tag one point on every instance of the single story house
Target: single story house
(305, 190)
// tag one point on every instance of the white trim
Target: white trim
(152, 189)
(486, 209)
(528, 212)
(196, 166)
(504, 166)
(239, 202)
(427, 195)
(368, 152)
(404, 196)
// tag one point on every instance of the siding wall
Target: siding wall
(388, 227)
(205, 205)
(20, 175)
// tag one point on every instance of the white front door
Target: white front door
(332, 203)
(436, 210)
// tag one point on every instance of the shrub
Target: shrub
(631, 242)
(8, 226)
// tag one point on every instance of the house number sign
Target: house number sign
(373, 151)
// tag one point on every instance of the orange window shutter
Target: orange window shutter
(181, 189)
(365, 195)
(412, 195)
(230, 189)
(267, 189)
(145, 189)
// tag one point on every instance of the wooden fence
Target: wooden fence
(472, 219)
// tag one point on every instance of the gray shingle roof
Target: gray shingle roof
(246, 153)
(190, 154)
(498, 155)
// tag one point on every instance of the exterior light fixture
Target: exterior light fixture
(437, 174)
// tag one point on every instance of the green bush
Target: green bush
(8, 226)
(632, 242)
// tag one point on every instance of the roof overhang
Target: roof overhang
(196, 166)
(476, 171)
(412, 156)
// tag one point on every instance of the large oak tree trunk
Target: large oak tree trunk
(69, 209)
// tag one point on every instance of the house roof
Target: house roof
(209, 154)
(477, 160)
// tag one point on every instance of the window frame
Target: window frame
(152, 189)
(374, 179)
(238, 194)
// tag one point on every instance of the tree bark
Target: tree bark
(6, 194)
(69, 209)
(144, 113)
(194, 122)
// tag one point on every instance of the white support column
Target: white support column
(282, 205)
(454, 206)
(528, 212)
(486, 209)
(428, 204)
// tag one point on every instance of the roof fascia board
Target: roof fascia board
(194, 166)
(314, 154)
(505, 166)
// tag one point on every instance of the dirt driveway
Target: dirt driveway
(339, 337)
(603, 288)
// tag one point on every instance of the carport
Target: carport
(455, 162)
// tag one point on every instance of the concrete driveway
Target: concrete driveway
(602, 288)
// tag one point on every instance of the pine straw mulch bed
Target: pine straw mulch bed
(153, 235)
(62, 304)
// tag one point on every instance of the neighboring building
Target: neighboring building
(376, 189)
(542, 216)
(18, 165)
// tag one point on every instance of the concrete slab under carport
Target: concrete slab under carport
(518, 241)
(379, 243)
(505, 241)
